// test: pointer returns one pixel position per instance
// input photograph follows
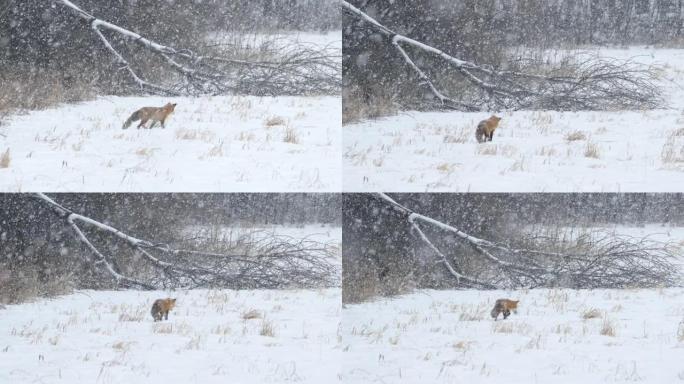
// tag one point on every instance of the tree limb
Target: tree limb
(594, 84)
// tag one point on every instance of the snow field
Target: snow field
(532, 151)
(220, 144)
(213, 336)
(558, 335)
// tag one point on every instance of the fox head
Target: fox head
(171, 302)
(513, 304)
(170, 107)
(495, 119)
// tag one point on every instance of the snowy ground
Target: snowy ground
(532, 151)
(449, 337)
(210, 144)
(110, 337)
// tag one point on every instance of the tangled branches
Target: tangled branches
(541, 261)
(583, 83)
(267, 262)
(291, 70)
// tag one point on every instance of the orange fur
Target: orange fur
(161, 308)
(157, 115)
(504, 306)
(485, 129)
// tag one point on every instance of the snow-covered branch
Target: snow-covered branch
(296, 70)
(585, 83)
(590, 262)
(269, 262)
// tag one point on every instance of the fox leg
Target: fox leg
(142, 123)
(506, 313)
(491, 136)
(166, 315)
(154, 122)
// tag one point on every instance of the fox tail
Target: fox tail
(134, 117)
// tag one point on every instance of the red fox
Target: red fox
(161, 307)
(150, 113)
(504, 306)
(485, 129)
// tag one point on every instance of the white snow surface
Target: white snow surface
(532, 151)
(210, 144)
(110, 337)
(449, 337)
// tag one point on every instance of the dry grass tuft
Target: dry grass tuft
(671, 153)
(133, 315)
(5, 159)
(575, 136)
(273, 121)
(291, 136)
(458, 137)
(592, 313)
(145, 152)
(165, 328)
(251, 314)
(607, 329)
(267, 329)
(487, 150)
(122, 346)
(447, 167)
(592, 151)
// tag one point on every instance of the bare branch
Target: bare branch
(297, 70)
(268, 262)
(590, 262)
(589, 84)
